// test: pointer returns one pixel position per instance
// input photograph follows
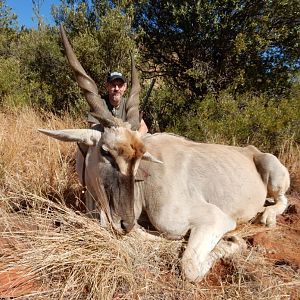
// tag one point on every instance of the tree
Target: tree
(49, 80)
(100, 32)
(36, 7)
(8, 28)
(8, 19)
(204, 46)
(9, 66)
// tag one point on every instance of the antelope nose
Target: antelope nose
(126, 226)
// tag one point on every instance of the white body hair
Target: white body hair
(200, 189)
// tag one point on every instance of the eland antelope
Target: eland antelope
(184, 188)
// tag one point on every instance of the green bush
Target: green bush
(12, 91)
(245, 119)
(10, 77)
(49, 82)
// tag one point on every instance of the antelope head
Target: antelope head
(113, 155)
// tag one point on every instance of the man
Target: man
(116, 86)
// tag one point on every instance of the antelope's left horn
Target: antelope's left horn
(88, 86)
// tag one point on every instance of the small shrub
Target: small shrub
(245, 119)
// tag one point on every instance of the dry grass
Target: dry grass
(29, 161)
(68, 256)
(59, 253)
(290, 157)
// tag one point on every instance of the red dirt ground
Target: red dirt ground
(15, 281)
(280, 245)
(283, 245)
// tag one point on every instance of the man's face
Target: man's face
(116, 90)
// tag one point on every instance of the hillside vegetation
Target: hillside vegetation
(224, 70)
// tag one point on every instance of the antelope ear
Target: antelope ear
(149, 157)
(89, 137)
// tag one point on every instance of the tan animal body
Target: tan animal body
(183, 187)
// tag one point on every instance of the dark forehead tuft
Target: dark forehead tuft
(132, 147)
(125, 142)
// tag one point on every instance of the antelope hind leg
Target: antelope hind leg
(277, 179)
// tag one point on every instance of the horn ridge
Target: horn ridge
(132, 103)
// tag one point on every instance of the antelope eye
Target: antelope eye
(104, 151)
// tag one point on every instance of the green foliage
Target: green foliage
(10, 77)
(241, 120)
(164, 106)
(10, 72)
(11, 83)
(105, 50)
(50, 83)
(116, 40)
(8, 29)
(227, 69)
(101, 32)
(74, 15)
(8, 19)
(209, 46)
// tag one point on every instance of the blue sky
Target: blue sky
(23, 8)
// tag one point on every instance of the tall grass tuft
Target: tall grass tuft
(289, 155)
